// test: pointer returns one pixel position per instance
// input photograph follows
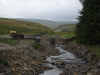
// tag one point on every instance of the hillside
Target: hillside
(21, 26)
(65, 28)
(49, 23)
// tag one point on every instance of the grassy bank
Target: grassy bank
(66, 34)
(8, 41)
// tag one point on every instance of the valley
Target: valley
(54, 51)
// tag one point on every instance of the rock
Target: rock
(60, 64)
(82, 52)
(23, 59)
(2, 73)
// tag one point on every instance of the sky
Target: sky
(58, 10)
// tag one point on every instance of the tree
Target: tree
(88, 28)
(82, 1)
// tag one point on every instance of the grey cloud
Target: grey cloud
(43, 9)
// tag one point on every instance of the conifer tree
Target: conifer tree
(88, 28)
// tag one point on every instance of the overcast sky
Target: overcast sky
(43, 9)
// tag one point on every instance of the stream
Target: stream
(64, 56)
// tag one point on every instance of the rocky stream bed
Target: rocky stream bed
(68, 59)
(57, 63)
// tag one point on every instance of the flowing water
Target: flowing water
(64, 56)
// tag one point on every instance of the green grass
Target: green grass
(4, 29)
(66, 28)
(66, 34)
(21, 27)
(36, 45)
(8, 41)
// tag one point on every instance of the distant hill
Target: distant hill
(65, 28)
(49, 23)
(21, 26)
